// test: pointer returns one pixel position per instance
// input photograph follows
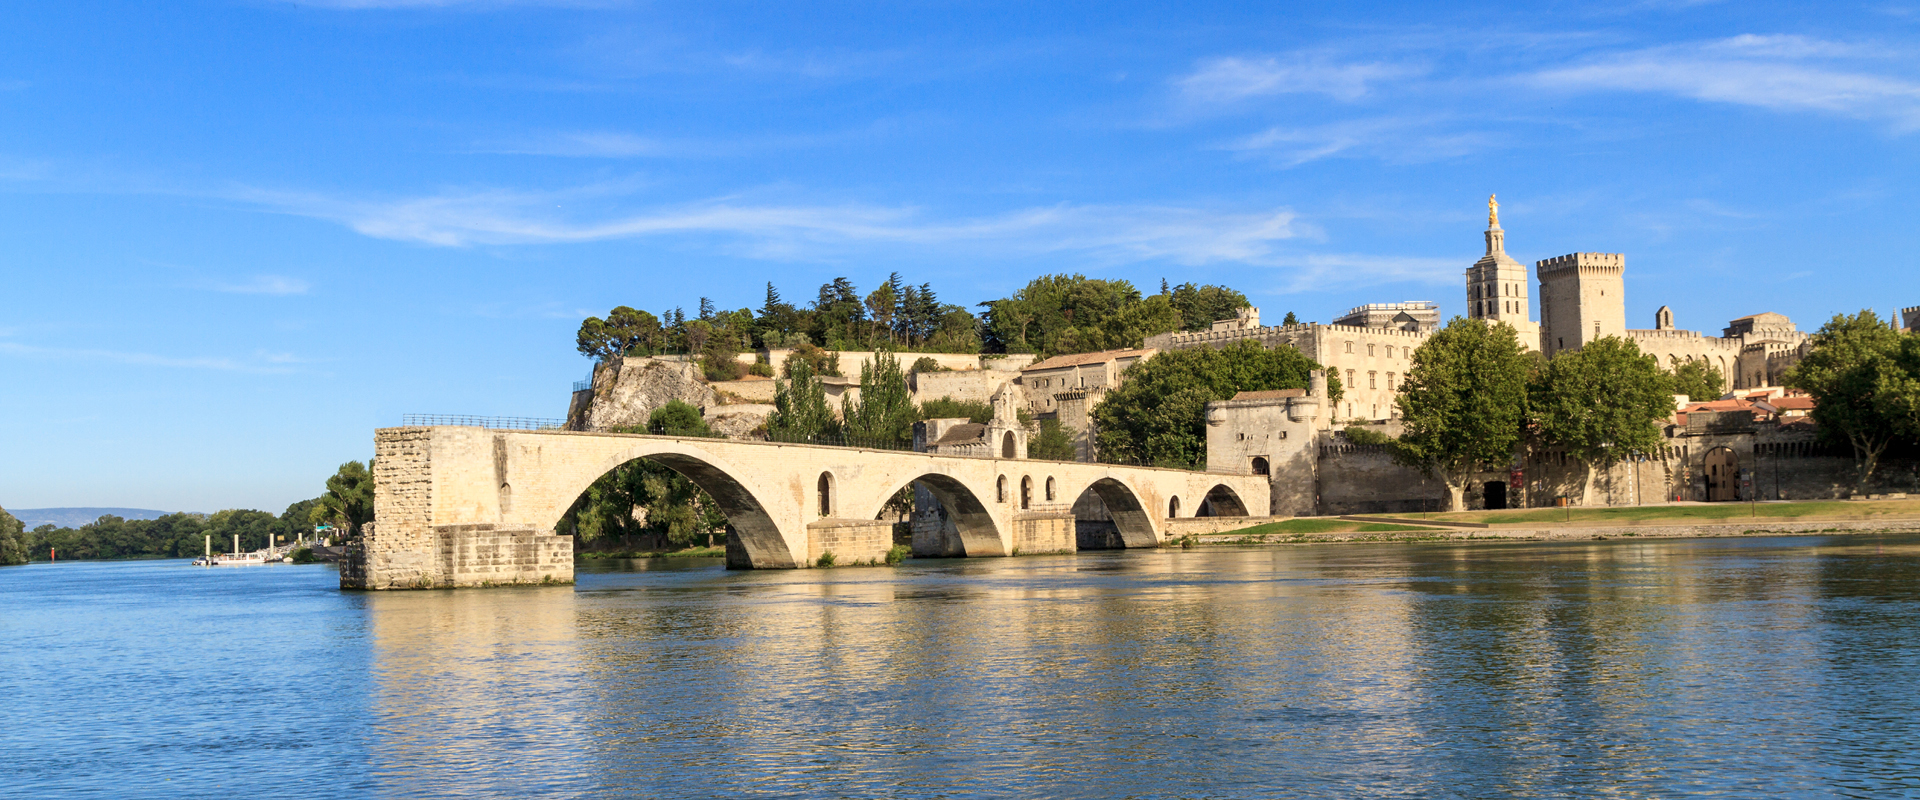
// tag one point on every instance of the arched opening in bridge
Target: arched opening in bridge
(1260, 466)
(825, 491)
(949, 520)
(670, 501)
(1006, 446)
(1000, 489)
(1026, 492)
(1221, 501)
(1049, 488)
(1173, 507)
(1109, 516)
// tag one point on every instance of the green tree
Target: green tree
(1199, 306)
(13, 540)
(949, 408)
(1698, 380)
(884, 414)
(1290, 320)
(800, 410)
(678, 418)
(348, 503)
(1157, 416)
(1056, 314)
(625, 331)
(1601, 403)
(1054, 442)
(1864, 378)
(1464, 403)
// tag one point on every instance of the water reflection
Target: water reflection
(1748, 667)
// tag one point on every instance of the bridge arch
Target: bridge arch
(979, 533)
(758, 533)
(1221, 501)
(1130, 516)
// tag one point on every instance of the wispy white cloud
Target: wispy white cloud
(1780, 73)
(588, 144)
(262, 284)
(1324, 271)
(1231, 79)
(264, 363)
(1399, 140)
(797, 231)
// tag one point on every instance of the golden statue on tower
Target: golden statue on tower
(1493, 210)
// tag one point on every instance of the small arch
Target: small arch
(1173, 507)
(1049, 488)
(1026, 492)
(1260, 466)
(1000, 489)
(1006, 445)
(825, 492)
(1221, 501)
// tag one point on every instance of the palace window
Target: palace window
(1389, 381)
(1349, 347)
(1372, 382)
(1369, 349)
(1350, 378)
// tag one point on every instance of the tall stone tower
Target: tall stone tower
(1497, 284)
(1583, 297)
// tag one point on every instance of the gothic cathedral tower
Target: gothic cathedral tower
(1497, 284)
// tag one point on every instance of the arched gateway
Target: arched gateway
(447, 517)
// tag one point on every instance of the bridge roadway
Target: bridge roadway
(470, 506)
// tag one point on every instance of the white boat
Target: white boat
(231, 560)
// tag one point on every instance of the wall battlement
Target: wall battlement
(1579, 260)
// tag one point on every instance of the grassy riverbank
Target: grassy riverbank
(1676, 514)
(691, 552)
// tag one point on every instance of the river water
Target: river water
(1729, 667)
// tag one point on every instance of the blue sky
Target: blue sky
(239, 236)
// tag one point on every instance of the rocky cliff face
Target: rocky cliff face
(627, 390)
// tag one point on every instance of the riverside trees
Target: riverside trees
(1864, 377)
(1464, 403)
(1601, 404)
(13, 540)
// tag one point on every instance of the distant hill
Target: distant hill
(76, 517)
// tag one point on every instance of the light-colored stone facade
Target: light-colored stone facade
(468, 506)
(1582, 298)
(1419, 316)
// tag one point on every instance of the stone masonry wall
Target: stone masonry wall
(1044, 532)
(852, 541)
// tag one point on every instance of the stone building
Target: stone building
(1497, 284)
(1419, 316)
(1910, 319)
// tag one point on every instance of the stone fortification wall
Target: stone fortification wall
(1370, 362)
(1357, 479)
(852, 360)
(758, 390)
(1671, 348)
(969, 385)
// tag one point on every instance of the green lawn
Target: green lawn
(1832, 509)
(1319, 526)
(691, 552)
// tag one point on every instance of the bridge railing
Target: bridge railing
(505, 423)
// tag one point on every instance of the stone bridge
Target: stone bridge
(471, 506)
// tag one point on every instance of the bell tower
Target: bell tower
(1497, 284)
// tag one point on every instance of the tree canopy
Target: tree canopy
(1864, 378)
(800, 410)
(1600, 403)
(1158, 415)
(13, 540)
(884, 413)
(348, 503)
(1463, 404)
(1698, 380)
